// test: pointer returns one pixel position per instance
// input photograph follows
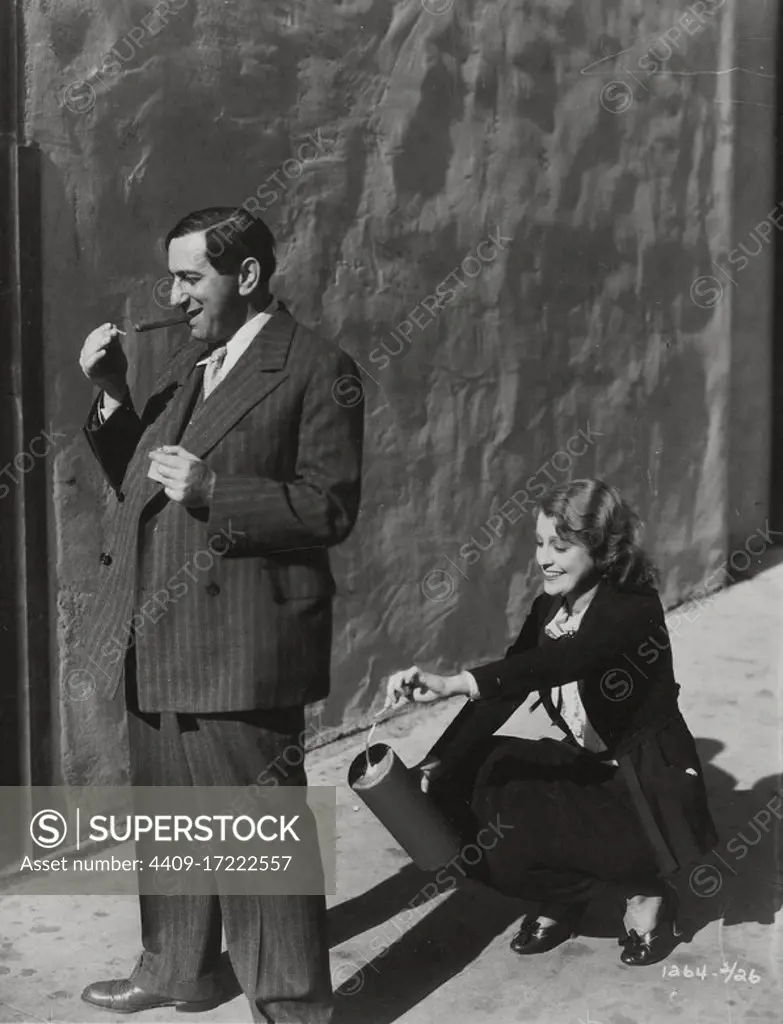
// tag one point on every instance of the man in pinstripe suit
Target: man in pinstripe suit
(228, 487)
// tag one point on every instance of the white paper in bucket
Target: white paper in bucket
(393, 793)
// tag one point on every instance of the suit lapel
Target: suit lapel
(257, 373)
(167, 427)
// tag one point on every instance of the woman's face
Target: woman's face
(567, 566)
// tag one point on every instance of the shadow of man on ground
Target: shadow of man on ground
(441, 944)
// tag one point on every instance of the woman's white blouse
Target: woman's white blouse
(567, 696)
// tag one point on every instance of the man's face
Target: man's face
(211, 301)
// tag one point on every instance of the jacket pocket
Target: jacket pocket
(678, 749)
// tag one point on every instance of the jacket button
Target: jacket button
(105, 559)
(120, 496)
(213, 589)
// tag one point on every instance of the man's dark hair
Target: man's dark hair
(232, 235)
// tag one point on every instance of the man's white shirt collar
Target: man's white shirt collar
(240, 342)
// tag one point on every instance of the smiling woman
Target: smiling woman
(585, 531)
(567, 567)
(620, 800)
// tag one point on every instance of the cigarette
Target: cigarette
(156, 325)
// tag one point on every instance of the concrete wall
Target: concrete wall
(433, 127)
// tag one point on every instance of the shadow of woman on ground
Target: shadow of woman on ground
(741, 879)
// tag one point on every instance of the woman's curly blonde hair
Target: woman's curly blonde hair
(592, 514)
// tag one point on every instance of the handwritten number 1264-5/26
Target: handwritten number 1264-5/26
(728, 971)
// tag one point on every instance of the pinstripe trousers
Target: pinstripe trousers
(278, 945)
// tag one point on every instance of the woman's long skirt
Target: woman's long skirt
(554, 822)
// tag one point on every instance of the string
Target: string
(368, 743)
(376, 723)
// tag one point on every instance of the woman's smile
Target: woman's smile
(565, 566)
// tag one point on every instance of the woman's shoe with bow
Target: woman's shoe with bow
(642, 949)
(535, 936)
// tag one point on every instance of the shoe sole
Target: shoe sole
(181, 1006)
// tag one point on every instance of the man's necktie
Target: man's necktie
(213, 368)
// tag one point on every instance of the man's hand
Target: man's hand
(417, 685)
(185, 478)
(104, 363)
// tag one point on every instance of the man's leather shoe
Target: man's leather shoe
(124, 995)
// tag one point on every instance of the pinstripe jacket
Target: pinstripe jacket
(229, 607)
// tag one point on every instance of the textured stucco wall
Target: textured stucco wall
(756, 222)
(611, 186)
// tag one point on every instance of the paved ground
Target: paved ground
(447, 961)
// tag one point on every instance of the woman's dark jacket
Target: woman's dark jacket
(621, 656)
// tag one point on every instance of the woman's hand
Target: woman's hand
(430, 769)
(417, 685)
